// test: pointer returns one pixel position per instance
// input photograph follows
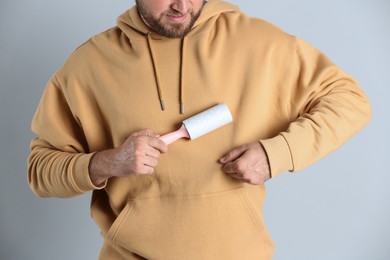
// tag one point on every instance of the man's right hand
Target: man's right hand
(137, 155)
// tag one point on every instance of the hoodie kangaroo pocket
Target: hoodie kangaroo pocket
(213, 226)
(116, 225)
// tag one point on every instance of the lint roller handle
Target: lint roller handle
(173, 136)
(201, 124)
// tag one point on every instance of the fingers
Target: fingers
(248, 163)
(152, 152)
(158, 144)
(146, 166)
(140, 153)
(152, 139)
(140, 163)
(234, 154)
(235, 167)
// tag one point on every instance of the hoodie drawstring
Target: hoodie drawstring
(159, 89)
(182, 75)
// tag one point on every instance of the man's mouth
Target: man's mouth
(177, 17)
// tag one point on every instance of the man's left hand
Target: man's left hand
(248, 163)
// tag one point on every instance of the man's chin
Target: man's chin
(175, 30)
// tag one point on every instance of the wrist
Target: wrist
(97, 168)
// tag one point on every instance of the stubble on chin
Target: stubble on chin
(162, 26)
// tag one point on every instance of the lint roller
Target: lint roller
(201, 124)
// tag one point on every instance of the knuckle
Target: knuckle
(240, 167)
(136, 168)
(139, 141)
(137, 157)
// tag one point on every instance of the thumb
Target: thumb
(233, 154)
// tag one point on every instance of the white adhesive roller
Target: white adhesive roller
(201, 124)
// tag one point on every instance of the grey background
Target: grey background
(338, 208)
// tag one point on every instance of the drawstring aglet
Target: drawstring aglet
(181, 108)
(162, 105)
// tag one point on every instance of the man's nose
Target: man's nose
(181, 6)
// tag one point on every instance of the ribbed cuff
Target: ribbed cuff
(279, 155)
(80, 174)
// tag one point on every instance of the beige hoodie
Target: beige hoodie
(280, 90)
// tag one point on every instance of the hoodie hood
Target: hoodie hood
(133, 26)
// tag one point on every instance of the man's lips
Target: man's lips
(177, 18)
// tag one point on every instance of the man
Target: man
(101, 115)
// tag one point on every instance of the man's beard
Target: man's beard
(167, 29)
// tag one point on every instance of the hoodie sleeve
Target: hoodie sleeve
(326, 106)
(59, 158)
